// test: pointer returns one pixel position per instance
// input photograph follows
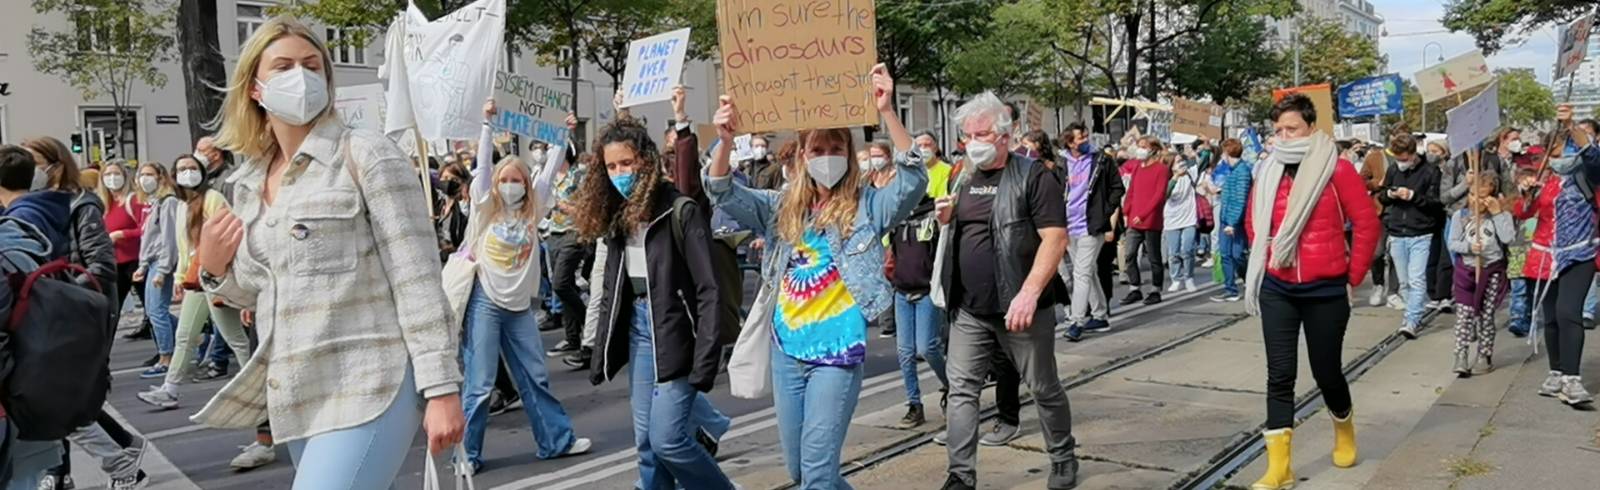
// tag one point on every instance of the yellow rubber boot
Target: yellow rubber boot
(1279, 475)
(1344, 440)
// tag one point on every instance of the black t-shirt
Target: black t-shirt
(975, 253)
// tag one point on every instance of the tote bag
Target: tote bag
(750, 367)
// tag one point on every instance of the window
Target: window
(124, 144)
(903, 106)
(344, 49)
(247, 18)
(564, 63)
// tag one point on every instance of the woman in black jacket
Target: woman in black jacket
(658, 296)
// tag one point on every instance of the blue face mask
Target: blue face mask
(1084, 148)
(623, 183)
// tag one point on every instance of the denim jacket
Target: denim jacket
(862, 266)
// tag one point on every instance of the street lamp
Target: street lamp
(1424, 104)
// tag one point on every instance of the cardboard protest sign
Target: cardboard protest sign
(1321, 98)
(530, 109)
(741, 148)
(361, 106)
(1473, 121)
(1371, 96)
(801, 65)
(1453, 76)
(1160, 123)
(654, 66)
(1574, 45)
(440, 72)
(1196, 118)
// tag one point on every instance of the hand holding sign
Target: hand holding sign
(489, 110)
(726, 120)
(678, 98)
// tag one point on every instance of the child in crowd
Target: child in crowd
(1480, 233)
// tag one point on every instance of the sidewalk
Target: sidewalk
(1494, 431)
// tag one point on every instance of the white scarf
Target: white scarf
(1317, 156)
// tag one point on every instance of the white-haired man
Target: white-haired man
(1005, 231)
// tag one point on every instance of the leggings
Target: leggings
(1475, 323)
(1324, 320)
(197, 308)
(1561, 316)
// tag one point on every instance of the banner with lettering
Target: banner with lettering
(361, 106)
(530, 109)
(654, 66)
(440, 72)
(1371, 96)
(1196, 118)
(1574, 45)
(798, 65)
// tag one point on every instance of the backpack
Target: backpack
(1205, 221)
(730, 278)
(58, 342)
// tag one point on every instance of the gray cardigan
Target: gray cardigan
(1494, 232)
(158, 246)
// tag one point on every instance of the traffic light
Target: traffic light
(77, 142)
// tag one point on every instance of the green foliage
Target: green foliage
(1328, 54)
(107, 46)
(1496, 23)
(1222, 63)
(1523, 100)
(919, 41)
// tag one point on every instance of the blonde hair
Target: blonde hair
(244, 128)
(496, 206)
(163, 184)
(121, 196)
(802, 193)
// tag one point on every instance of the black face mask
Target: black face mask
(450, 186)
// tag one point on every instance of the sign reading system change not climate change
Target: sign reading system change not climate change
(798, 65)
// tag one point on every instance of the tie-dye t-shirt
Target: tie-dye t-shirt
(506, 262)
(816, 320)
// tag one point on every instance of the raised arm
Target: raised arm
(892, 203)
(750, 207)
(883, 93)
(685, 151)
(482, 174)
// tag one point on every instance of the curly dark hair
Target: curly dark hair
(599, 204)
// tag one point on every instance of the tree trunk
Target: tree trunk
(202, 64)
(1130, 27)
(572, 44)
(938, 111)
(1150, 75)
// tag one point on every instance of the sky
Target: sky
(1409, 19)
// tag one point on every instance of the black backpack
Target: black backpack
(58, 340)
(730, 278)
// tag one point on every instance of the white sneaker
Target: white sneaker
(253, 456)
(579, 446)
(1208, 263)
(1396, 302)
(1173, 288)
(160, 397)
(1188, 286)
(1377, 297)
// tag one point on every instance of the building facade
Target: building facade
(1357, 16)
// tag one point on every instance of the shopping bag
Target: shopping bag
(460, 273)
(750, 367)
(430, 473)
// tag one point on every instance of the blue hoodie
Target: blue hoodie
(51, 212)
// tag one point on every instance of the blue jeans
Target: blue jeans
(490, 331)
(917, 334)
(1518, 322)
(1232, 249)
(365, 456)
(1592, 302)
(29, 459)
(666, 417)
(814, 405)
(1410, 255)
(1180, 253)
(158, 308)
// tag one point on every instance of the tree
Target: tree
(109, 46)
(204, 76)
(1222, 63)
(1495, 23)
(1328, 54)
(1524, 101)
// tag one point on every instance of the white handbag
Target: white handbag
(460, 272)
(430, 474)
(750, 367)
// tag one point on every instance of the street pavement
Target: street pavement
(1155, 402)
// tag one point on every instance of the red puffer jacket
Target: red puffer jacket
(1324, 254)
(1542, 208)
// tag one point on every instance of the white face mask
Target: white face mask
(201, 157)
(41, 179)
(827, 170)
(148, 183)
(536, 156)
(189, 178)
(981, 154)
(511, 193)
(877, 163)
(296, 96)
(114, 181)
(1141, 154)
(758, 152)
(1515, 146)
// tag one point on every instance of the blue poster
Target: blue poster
(1252, 144)
(1371, 96)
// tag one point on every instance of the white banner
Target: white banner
(1473, 121)
(444, 69)
(361, 106)
(531, 109)
(1574, 47)
(654, 66)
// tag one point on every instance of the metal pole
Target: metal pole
(1424, 104)
(1294, 37)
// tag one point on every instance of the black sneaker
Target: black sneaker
(1063, 475)
(1153, 299)
(1074, 333)
(1588, 323)
(1097, 326)
(887, 332)
(141, 333)
(1134, 296)
(565, 347)
(702, 436)
(580, 360)
(212, 371)
(552, 321)
(151, 361)
(954, 482)
(501, 402)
